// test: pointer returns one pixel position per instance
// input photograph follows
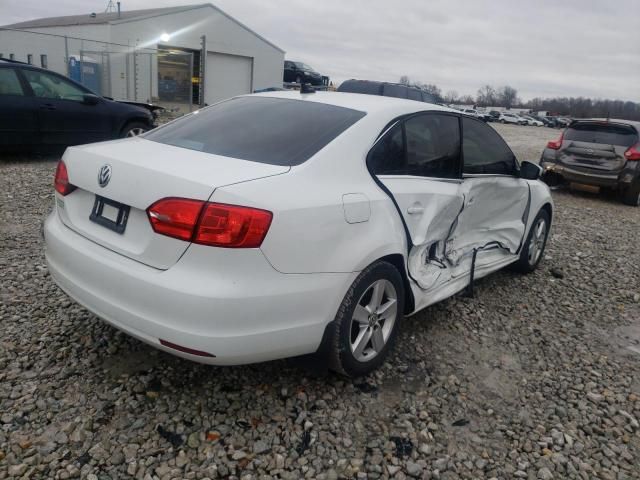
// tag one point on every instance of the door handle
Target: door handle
(47, 106)
(415, 209)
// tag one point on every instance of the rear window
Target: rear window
(391, 90)
(619, 135)
(357, 86)
(265, 130)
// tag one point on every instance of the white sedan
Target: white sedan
(282, 224)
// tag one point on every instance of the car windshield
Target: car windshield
(260, 129)
(303, 66)
(620, 135)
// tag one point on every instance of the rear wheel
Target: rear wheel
(631, 196)
(533, 248)
(366, 325)
(133, 129)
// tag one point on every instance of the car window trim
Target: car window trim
(516, 172)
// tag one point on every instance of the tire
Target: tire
(133, 129)
(631, 196)
(533, 249)
(351, 347)
(503, 122)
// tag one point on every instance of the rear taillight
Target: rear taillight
(175, 217)
(633, 152)
(214, 224)
(61, 181)
(556, 144)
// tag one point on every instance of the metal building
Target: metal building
(178, 57)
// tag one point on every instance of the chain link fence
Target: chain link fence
(134, 73)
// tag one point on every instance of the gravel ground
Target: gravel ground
(537, 377)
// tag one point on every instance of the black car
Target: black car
(386, 89)
(599, 153)
(40, 108)
(298, 72)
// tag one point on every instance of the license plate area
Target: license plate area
(110, 214)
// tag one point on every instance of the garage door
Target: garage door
(227, 76)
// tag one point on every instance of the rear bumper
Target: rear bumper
(619, 180)
(226, 302)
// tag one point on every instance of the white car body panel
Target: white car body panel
(144, 172)
(331, 220)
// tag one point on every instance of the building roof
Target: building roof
(125, 16)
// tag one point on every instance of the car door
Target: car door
(65, 117)
(491, 225)
(418, 163)
(18, 112)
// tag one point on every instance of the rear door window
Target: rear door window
(388, 156)
(260, 129)
(413, 94)
(484, 151)
(619, 135)
(433, 146)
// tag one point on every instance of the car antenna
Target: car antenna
(306, 88)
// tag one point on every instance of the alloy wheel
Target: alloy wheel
(134, 132)
(373, 320)
(538, 238)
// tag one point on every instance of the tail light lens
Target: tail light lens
(175, 217)
(556, 144)
(633, 152)
(215, 224)
(61, 181)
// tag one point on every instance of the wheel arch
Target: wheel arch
(398, 261)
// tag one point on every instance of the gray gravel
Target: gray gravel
(537, 377)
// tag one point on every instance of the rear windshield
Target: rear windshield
(266, 130)
(619, 135)
(372, 88)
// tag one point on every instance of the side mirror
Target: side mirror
(530, 171)
(90, 99)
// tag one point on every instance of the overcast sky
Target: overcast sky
(541, 47)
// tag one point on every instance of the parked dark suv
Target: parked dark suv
(601, 153)
(298, 72)
(386, 89)
(40, 108)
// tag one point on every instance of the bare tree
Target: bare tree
(507, 96)
(451, 96)
(487, 96)
(467, 100)
(433, 90)
(404, 80)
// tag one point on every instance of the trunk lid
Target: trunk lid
(592, 155)
(142, 172)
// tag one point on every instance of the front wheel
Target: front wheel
(503, 121)
(366, 324)
(133, 129)
(533, 248)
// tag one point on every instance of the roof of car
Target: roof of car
(633, 123)
(361, 102)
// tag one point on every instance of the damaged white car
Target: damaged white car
(283, 224)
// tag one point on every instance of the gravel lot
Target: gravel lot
(537, 377)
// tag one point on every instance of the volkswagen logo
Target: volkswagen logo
(104, 175)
